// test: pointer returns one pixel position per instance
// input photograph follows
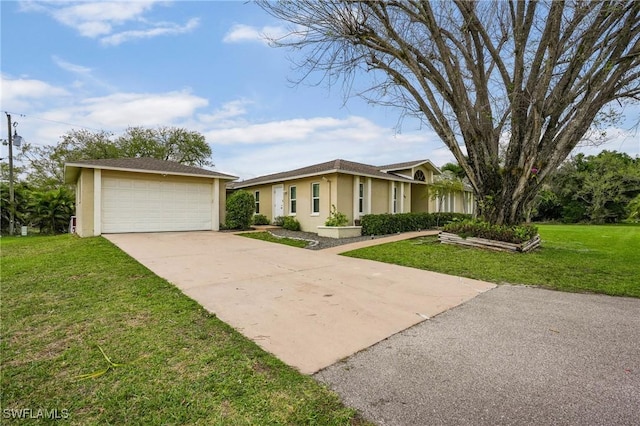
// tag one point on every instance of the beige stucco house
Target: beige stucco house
(355, 189)
(145, 195)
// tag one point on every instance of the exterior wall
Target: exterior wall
(309, 221)
(420, 201)
(84, 203)
(410, 173)
(341, 190)
(222, 203)
(379, 196)
(266, 199)
(406, 196)
(344, 193)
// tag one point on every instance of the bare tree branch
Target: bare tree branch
(533, 73)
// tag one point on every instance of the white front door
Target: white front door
(278, 200)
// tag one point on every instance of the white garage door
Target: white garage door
(139, 205)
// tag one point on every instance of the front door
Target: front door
(278, 200)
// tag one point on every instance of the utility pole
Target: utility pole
(11, 194)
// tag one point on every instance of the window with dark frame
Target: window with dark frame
(395, 199)
(293, 200)
(315, 198)
(257, 197)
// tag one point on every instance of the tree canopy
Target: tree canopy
(511, 87)
(46, 163)
(595, 188)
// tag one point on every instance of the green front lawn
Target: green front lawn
(64, 299)
(266, 236)
(601, 259)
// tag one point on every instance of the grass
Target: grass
(65, 299)
(578, 258)
(266, 236)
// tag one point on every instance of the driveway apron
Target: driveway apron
(512, 356)
(308, 308)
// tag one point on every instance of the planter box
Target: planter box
(447, 238)
(339, 231)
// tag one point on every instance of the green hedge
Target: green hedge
(259, 219)
(240, 208)
(291, 223)
(475, 228)
(383, 224)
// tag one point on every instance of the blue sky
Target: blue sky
(202, 65)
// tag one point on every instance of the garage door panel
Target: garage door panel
(140, 205)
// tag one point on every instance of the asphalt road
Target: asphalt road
(511, 356)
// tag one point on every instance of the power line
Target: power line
(57, 122)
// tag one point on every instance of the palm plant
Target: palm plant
(51, 210)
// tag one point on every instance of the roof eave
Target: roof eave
(419, 163)
(75, 168)
(240, 185)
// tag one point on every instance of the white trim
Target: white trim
(385, 176)
(391, 186)
(411, 166)
(314, 213)
(97, 202)
(368, 200)
(215, 207)
(401, 197)
(404, 176)
(292, 199)
(153, 172)
(256, 202)
(356, 197)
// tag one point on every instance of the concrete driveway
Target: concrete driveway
(512, 356)
(308, 308)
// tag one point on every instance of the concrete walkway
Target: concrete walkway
(309, 308)
(374, 242)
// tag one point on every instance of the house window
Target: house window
(395, 199)
(315, 198)
(257, 196)
(293, 208)
(361, 197)
(419, 176)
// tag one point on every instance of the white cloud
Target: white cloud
(617, 139)
(165, 28)
(99, 20)
(86, 79)
(121, 110)
(46, 112)
(20, 90)
(256, 149)
(240, 33)
(228, 111)
(68, 66)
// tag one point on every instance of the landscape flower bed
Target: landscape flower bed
(475, 233)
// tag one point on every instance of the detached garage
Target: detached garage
(145, 195)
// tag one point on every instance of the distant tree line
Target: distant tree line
(603, 188)
(41, 198)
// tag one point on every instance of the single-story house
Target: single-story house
(145, 195)
(355, 189)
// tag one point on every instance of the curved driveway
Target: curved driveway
(308, 308)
